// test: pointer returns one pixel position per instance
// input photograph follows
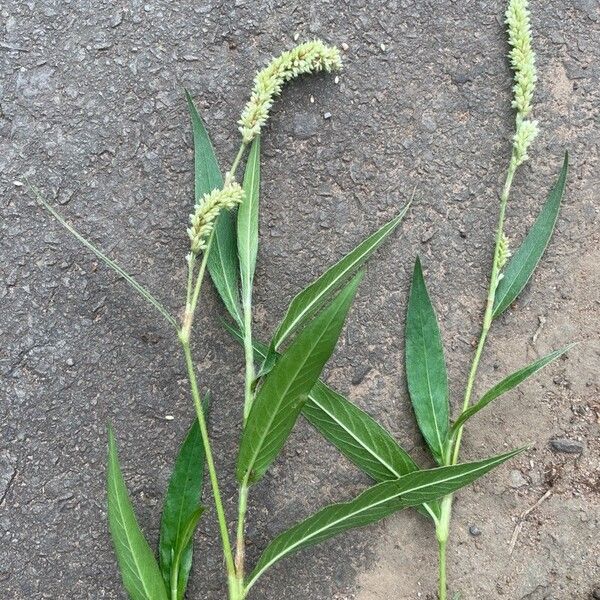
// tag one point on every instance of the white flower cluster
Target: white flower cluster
(309, 57)
(202, 221)
(522, 59)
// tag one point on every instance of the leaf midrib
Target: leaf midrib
(246, 275)
(281, 396)
(357, 512)
(433, 411)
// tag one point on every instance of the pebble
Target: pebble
(345, 46)
(360, 374)
(567, 445)
(474, 531)
(327, 115)
(516, 479)
(305, 125)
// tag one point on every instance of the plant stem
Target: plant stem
(442, 532)
(240, 551)
(250, 375)
(489, 308)
(192, 295)
(235, 576)
(174, 582)
(231, 173)
(249, 357)
(442, 571)
(229, 563)
(453, 450)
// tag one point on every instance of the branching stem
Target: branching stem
(453, 448)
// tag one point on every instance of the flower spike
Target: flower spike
(310, 57)
(202, 221)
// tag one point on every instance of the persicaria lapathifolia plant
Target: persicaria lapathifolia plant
(282, 376)
(425, 366)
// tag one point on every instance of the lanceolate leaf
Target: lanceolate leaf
(525, 260)
(360, 438)
(222, 260)
(247, 220)
(141, 576)
(353, 432)
(180, 554)
(308, 300)
(108, 261)
(425, 367)
(372, 505)
(508, 384)
(356, 434)
(280, 399)
(182, 502)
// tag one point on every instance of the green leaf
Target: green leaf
(247, 220)
(182, 501)
(141, 576)
(525, 260)
(285, 389)
(310, 299)
(352, 431)
(357, 435)
(360, 438)
(222, 260)
(425, 367)
(181, 556)
(138, 287)
(507, 384)
(372, 505)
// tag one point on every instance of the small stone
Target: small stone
(169, 417)
(103, 45)
(567, 445)
(460, 78)
(305, 125)
(429, 124)
(345, 46)
(327, 115)
(116, 20)
(427, 235)
(360, 374)
(516, 479)
(474, 531)
(70, 362)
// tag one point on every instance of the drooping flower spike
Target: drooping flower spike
(310, 57)
(202, 220)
